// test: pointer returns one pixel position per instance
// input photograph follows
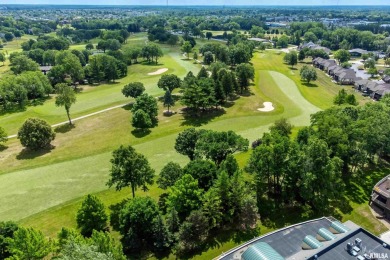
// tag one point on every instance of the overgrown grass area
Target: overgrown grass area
(45, 189)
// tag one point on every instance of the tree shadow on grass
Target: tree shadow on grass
(310, 85)
(28, 154)
(140, 133)
(64, 128)
(219, 237)
(129, 106)
(192, 118)
(3, 147)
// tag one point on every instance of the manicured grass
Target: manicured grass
(96, 98)
(91, 142)
(45, 190)
(320, 92)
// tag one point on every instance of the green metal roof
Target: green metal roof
(336, 225)
(261, 251)
(312, 242)
(326, 234)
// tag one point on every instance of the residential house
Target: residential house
(313, 46)
(345, 77)
(386, 78)
(45, 69)
(357, 52)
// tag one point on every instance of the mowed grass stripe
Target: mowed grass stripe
(95, 98)
(50, 184)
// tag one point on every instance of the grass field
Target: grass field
(96, 98)
(45, 189)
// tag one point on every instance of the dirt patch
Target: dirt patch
(158, 72)
(268, 107)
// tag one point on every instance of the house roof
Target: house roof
(361, 82)
(45, 68)
(347, 74)
(357, 50)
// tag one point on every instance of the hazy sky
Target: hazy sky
(201, 2)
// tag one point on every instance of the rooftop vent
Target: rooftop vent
(325, 235)
(309, 242)
(336, 227)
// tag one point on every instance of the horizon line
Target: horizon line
(227, 5)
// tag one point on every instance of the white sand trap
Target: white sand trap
(158, 72)
(267, 107)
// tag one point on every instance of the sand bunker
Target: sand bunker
(267, 107)
(158, 72)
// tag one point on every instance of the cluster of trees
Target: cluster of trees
(204, 92)
(208, 194)
(16, 90)
(46, 43)
(199, 93)
(341, 38)
(103, 67)
(343, 98)
(291, 58)
(314, 168)
(17, 242)
(232, 55)
(78, 35)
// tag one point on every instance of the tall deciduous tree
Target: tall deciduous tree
(308, 74)
(134, 89)
(35, 134)
(66, 97)
(245, 73)
(186, 48)
(29, 243)
(141, 120)
(209, 35)
(186, 141)
(342, 55)
(7, 230)
(141, 226)
(169, 82)
(91, 216)
(129, 168)
(216, 146)
(148, 104)
(202, 170)
(169, 174)
(22, 63)
(185, 196)
(291, 58)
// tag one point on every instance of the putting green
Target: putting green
(27, 192)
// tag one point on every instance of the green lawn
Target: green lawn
(73, 159)
(44, 190)
(95, 98)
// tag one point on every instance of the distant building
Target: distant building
(357, 52)
(380, 196)
(45, 69)
(339, 74)
(319, 239)
(313, 46)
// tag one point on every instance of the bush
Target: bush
(35, 134)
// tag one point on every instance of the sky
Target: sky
(200, 2)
